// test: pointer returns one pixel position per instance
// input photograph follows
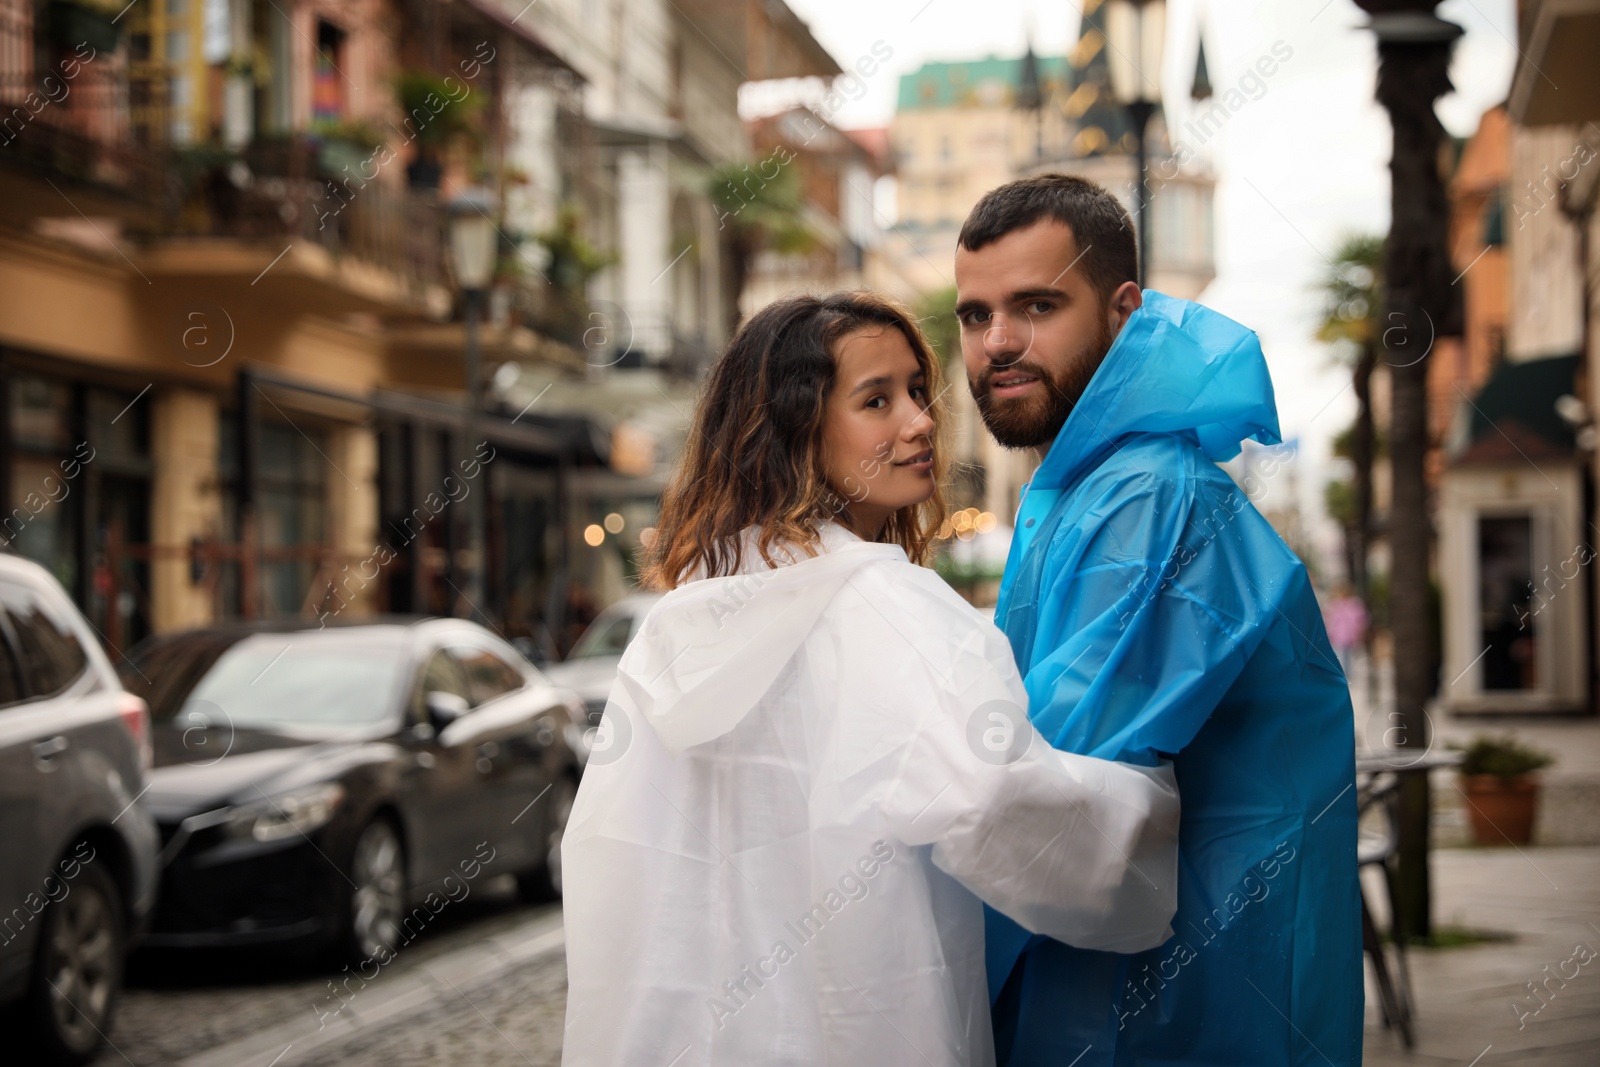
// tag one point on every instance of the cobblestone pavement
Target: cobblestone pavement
(178, 1004)
(514, 1021)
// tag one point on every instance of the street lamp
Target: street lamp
(1420, 291)
(1135, 34)
(473, 244)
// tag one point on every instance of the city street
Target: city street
(488, 986)
(486, 962)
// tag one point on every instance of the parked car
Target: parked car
(591, 666)
(79, 874)
(312, 784)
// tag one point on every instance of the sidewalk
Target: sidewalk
(1569, 805)
(1477, 1004)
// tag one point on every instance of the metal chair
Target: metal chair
(1376, 847)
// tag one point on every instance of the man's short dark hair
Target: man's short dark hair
(1110, 255)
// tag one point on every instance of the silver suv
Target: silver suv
(79, 875)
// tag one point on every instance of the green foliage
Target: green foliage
(574, 259)
(358, 132)
(1352, 291)
(936, 314)
(761, 211)
(1378, 600)
(1501, 756)
(1456, 937)
(1343, 443)
(1339, 499)
(435, 114)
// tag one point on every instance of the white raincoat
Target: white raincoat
(805, 780)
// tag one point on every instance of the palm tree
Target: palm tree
(756, 213)
(1352, 302)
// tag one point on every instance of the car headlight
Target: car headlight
(299, 811)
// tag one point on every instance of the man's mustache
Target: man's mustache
(981, 388)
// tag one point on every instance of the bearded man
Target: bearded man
(1155, 614)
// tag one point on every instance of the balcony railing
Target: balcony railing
(99, 128)
(280, 187)
(75, 114)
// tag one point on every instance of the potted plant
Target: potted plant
(1502, 790)
(435, 117)
(86, 22)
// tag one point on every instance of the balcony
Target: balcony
(72, 117)
(290, 215)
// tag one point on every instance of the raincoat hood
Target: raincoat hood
(694, 670)
(1176, 366)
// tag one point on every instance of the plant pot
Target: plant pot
(1502, 809)
(75, 24)
(424, 173)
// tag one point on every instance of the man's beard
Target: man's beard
(1034, 420)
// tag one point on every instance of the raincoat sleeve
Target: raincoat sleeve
(1081, 849)
(1147, 616)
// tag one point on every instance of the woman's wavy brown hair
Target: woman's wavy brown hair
(754, 453)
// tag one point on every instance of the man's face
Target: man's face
(1033, 330)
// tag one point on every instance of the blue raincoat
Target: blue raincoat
(1153, 611)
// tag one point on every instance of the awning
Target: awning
(1557, 78)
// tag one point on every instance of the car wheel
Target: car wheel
(377, 897)
(78, 969)
(543, 883)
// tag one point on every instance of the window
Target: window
(1506, 602)
(488, 676)
(52, 657)
(441, 674)
(11, 688)
(607, 638)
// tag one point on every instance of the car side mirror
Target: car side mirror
(445, 708)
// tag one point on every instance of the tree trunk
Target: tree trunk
(1421, 304)
(1361, 455)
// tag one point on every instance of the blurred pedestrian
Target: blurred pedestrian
(1347, 620)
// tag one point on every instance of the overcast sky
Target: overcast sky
(1299, 166)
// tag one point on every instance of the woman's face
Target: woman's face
(878, 435)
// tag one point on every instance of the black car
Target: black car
(335, 787)
(78, 873)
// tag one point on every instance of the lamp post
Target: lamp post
(1421, 302)
(1135, 35)
(473, 239)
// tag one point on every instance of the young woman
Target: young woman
(816, 762)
